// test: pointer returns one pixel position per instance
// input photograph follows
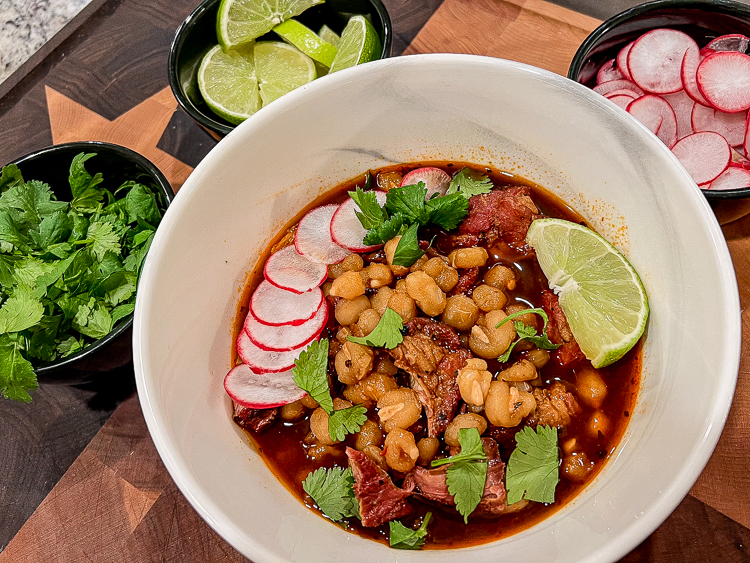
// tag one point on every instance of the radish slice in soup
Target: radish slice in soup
(286, 337)
(724, 80)
(346, 229)
(435, 180)
(656, 114)
(265, 361)
(313, 237)
(704, 155)
(288, 269)
(731, 126)
(655, 60)
(733, 178)
(274, 306)
(261, 390)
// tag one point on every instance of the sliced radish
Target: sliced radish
(621, 100)
(656, 114)
(739, 159)
(623, 92)
(704, 155)
(733, 42)
(622, 60)
(655, 60)
(733, 178)
(261, 390)
(606, 87)
(266, 361)
(731, 126)
(609, 71)
(682, 104)
(724, 80)
(346, 229)
(274, 306)
(746, 144)
(705, 51)
(287, 269)
(313, 237)
(690, 62)
(285, 337)
(435, 180)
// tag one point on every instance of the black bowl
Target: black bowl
(197, 35)
(703, 20)
(117, 164)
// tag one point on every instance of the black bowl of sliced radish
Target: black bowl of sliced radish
(681, 68)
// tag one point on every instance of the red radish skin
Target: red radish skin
(266, 361)
(655, 60)
(346, 229)
(609, 71)
(738, 159)
(731, 126)
(682, 104)
(621, 100)
(733, 178)
(622, 60)
(656, 114)
(690, 62)
(629, 93)
(724, 80)
(704, 155)
(274, 306)
(622, 84)
(313, 237)
(435, 180)
(261, 390)
(732, 42)
(287, 269)
(285, 337)
(746, 144)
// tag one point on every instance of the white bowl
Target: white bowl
(437, 107)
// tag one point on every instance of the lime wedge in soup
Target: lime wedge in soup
(599, 291)
(228, 83)
(306, 41)
(359, 44)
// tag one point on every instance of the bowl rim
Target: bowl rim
(729, 7)
(631, 536)
(175, 49)
(165, 189)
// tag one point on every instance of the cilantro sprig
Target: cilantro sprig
(387, 333)
(533, 467)
(401, 537)
(333, 491)
(467, 472)
(525, 332)
(469, 183)
(310, 375)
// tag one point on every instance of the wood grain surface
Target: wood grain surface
(116, 501)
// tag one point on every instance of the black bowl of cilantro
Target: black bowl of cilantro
(76, 221)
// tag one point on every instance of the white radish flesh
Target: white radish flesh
(682, 104)
(285, 337)
(606, 87)
(655, 60)
(621, 100)
(656, 114)
(731, 126)
(266, 361)
(622, 60)
(435, 180)
(609, 71)
(274, 306)
(690, 62)
(347, 230)
(724, 80)
(733, 178)
(746, 144)
(733, 42)
(313, 237)
(704, 155)
(289, 270)
(623, 92)
(261, 390)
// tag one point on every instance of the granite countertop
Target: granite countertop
(26, 25)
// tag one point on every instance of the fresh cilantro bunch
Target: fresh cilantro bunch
(525, 332)
(68, 270)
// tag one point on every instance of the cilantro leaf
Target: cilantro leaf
(401, 537)
(333, 491)
(140, 203)
(122, 311)
(409, 201)
(346, 421)
(42, 343)
(371, 215)
(20, 311)
(11, 176)
(309, 373)
(408, 250)
(533, 467)
(17, 376)
(525, 332)
(387, 230)
(53, 229)
(32, 201)
(387, 334)
(69, 346)
(103, 239)
(86, 196)
(93, 319)
(469, 183)
(447, 211)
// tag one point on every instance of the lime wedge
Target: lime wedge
(281, 68)
(228, 83)
(306, 41)
(327, 34)
(241, 21)
(359, 44)
(600, 292)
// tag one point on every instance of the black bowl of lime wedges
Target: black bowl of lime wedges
(229, 58)
(76, 222)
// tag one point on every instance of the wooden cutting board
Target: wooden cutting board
(117, 502)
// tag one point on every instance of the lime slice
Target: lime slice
(359, 44)
(600, 292)
(281, 68)
(306, 41)
(228, 83)
(241, 21)
(327, 34)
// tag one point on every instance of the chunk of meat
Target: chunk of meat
(256, 420)
(466, 281)
(379, 499)
(505, 214)
(558, 331)
(554, 407)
